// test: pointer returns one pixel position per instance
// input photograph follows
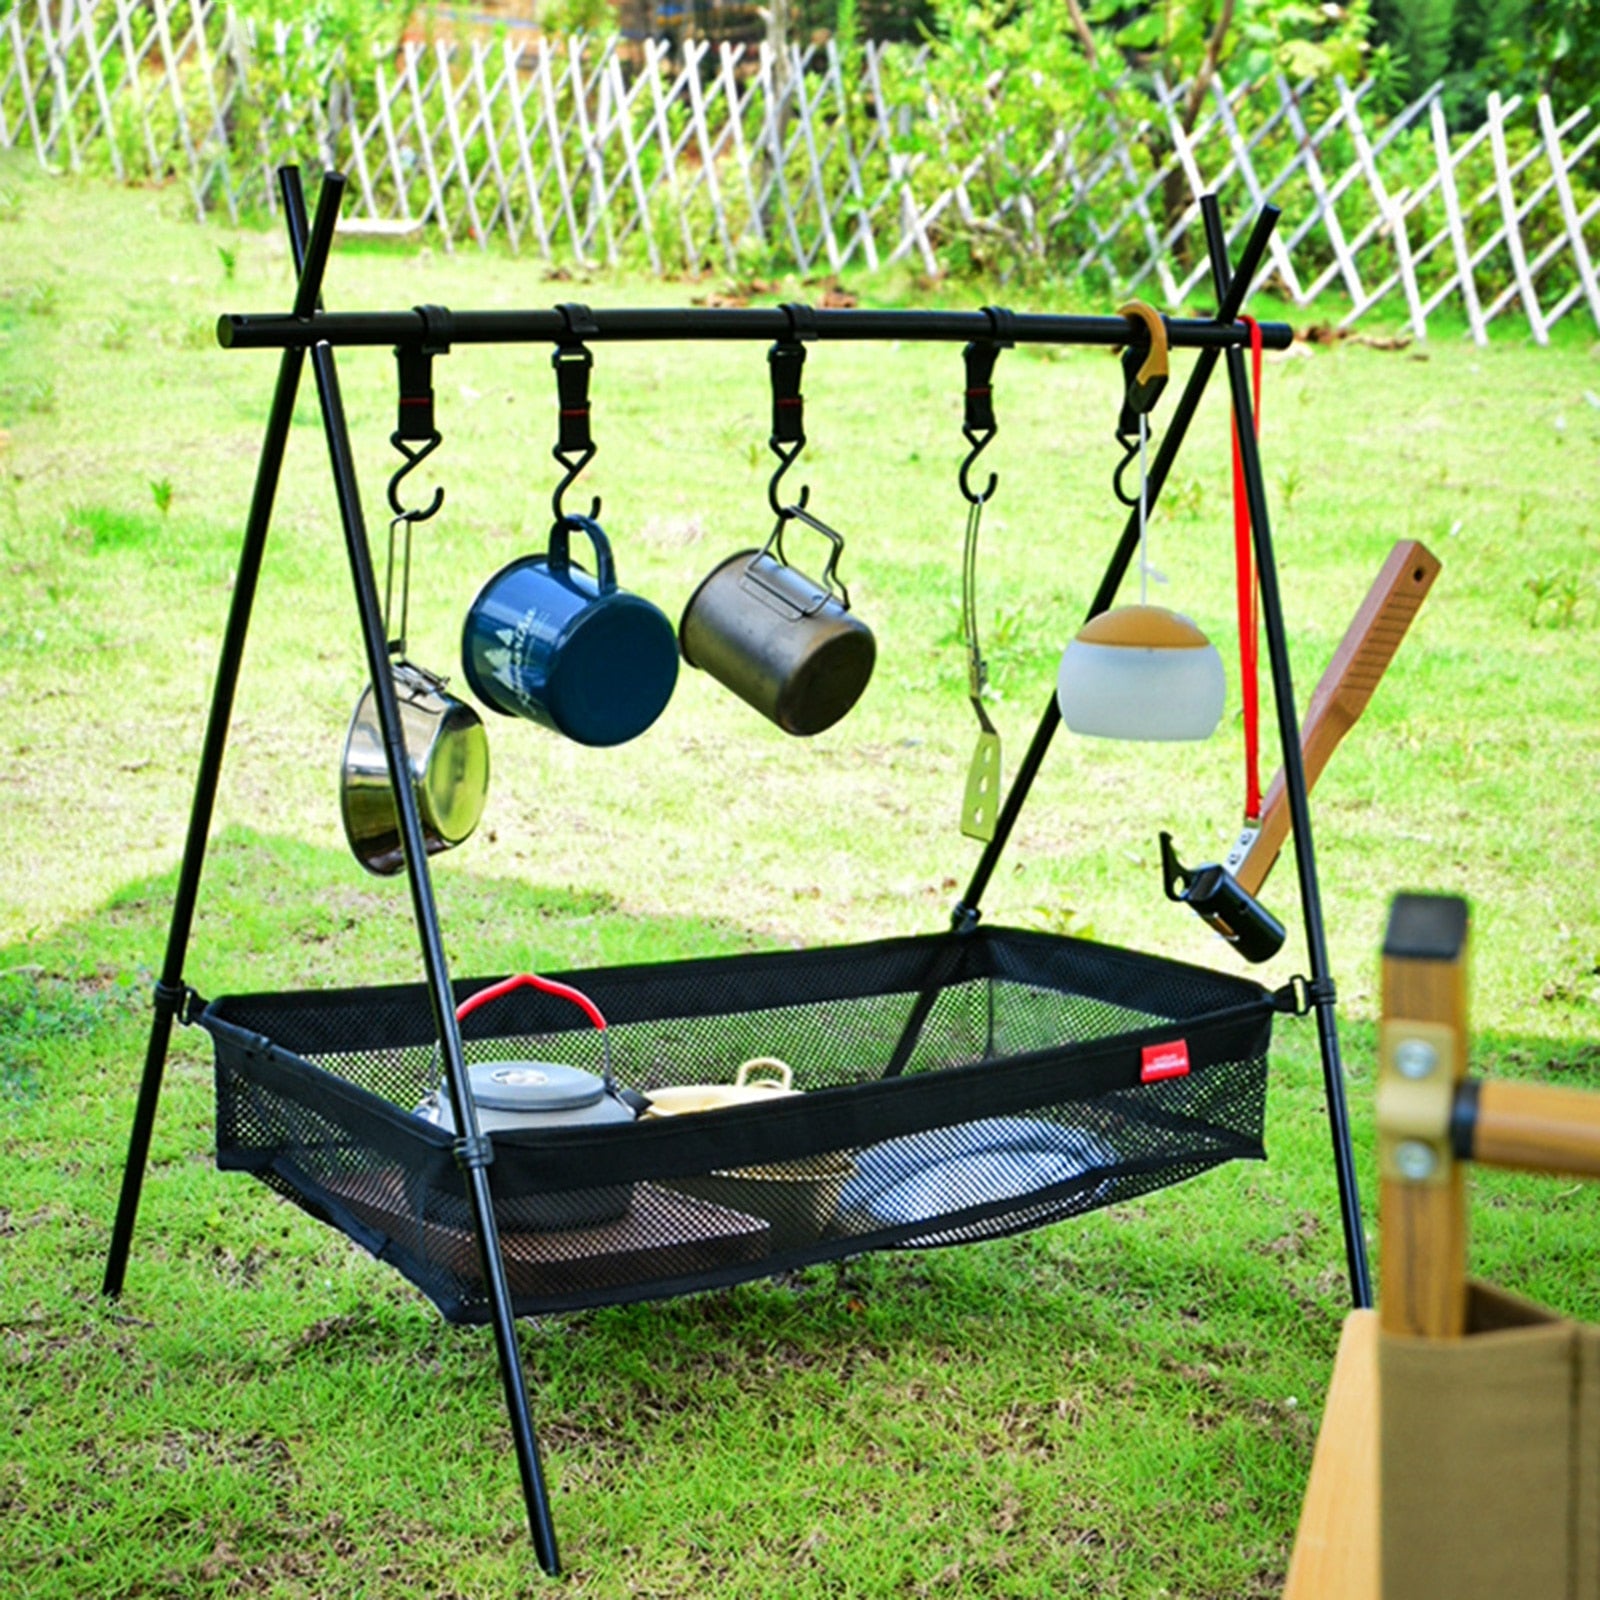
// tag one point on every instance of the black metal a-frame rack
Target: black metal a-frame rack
(308, 328)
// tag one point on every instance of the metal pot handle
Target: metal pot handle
(772, 1070)
(831, 581)
(558, 558)
(562, 991)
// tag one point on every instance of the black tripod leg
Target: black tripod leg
(1294, 775)
(473, 1150)
(169, 991)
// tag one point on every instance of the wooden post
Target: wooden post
(1421, 1203)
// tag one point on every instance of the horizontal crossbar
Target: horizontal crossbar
(283, 330)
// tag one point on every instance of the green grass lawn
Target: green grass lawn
(1123, 1405)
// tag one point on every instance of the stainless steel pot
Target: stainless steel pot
(448, 753)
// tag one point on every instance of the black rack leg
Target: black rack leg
(169, 991)
(1300, 822)
(474, 1151)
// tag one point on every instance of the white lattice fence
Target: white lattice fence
(713, 157)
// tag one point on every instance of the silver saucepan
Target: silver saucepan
(448, 753)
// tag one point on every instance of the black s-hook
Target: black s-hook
(413, 458)
(574, 449)
(978, 443)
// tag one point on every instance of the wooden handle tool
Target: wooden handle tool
(1369, 645)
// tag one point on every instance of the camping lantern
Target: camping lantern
(1141, 672)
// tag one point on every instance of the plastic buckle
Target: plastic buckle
(415, 362)
(572, 363)
(1294, 998)
(1300, 994)
(786, 359)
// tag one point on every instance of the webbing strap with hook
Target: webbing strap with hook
(414, 421)
(979, 425)
(785, 362)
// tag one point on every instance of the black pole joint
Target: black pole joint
(170, 999)
(473, 1154)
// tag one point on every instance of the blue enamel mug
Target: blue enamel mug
(546, 641)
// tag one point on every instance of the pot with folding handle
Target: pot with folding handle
(785, 643)
(799, 1200)
(518, 1095)
(447, 754)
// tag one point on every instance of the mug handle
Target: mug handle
(832, 583)
(558, 558)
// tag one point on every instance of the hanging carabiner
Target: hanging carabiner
(1144, 373)
(413, 458)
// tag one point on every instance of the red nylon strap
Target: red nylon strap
(1249, 612)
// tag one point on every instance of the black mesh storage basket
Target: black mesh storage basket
(950, 1087)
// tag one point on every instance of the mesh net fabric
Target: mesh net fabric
(952, 1087)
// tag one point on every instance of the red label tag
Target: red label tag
(1160, 1061)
